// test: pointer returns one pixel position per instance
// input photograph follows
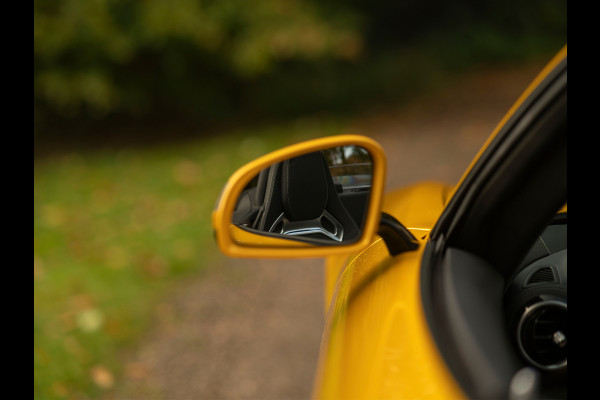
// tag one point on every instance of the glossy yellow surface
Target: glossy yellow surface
(377, 343)
(417, 207)
(249, 239)
(266, 247)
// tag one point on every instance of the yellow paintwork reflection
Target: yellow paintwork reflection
(418, 207)
(377, 343)
(248, 239)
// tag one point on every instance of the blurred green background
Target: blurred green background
(142, 109)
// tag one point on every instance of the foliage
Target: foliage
(214, 60)
(112, 231)
(101, 56)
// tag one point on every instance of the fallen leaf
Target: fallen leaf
(90, 320)
(102, 377)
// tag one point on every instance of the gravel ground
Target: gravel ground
(245, 329)
(251, 329)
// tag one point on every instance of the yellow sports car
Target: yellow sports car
(434, 291)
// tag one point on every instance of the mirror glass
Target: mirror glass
(319, 198)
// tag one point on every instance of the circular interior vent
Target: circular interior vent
(542, 335)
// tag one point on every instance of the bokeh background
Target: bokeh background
(142, 109)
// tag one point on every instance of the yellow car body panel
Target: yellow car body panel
(417, 206)
(377, 342)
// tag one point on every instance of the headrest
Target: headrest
(304, 186)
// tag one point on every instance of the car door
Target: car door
(509, 198)
(432, 322)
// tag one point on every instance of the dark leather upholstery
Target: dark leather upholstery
(303, 188)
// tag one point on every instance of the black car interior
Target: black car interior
(298, 198)
(494, 279)
(535, 302)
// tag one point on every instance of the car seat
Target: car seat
(300, 200)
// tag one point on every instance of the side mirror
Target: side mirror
(311, 199)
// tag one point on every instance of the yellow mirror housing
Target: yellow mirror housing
(235, 241)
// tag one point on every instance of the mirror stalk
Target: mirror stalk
(397, 238)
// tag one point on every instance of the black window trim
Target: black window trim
(475, 221)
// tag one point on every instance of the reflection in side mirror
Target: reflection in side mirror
(319, 198)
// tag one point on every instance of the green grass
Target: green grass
(112, 231)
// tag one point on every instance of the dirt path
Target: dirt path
(245, 329)
(250, 329)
